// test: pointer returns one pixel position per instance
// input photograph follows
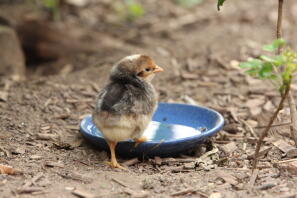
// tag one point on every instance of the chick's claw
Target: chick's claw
(140, 140)
(116, 165)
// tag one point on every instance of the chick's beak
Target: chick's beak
(158, 69)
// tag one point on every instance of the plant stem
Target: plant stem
(291, 101)
(293, 114)
(279, 22)
(265, 132)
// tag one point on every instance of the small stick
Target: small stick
(287, 161)
(183, 192)
(291, 100)
(279, 22)
(119, 182)
(265, 132)
(253, 178)
(249, 127)
(275, 125)
(293, 114)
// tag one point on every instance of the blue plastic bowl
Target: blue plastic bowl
(175, 129)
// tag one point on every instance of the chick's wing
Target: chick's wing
(121, 99)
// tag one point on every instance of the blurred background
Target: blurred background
(49, 37)
(77, 41)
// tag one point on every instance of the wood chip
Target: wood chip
(216, 195)
(266, 186)
(74, 176)
(5, 169)
(227, 177)
(268, 106)
(263, 152)
(33, 180)
(54, 164)
(183, 192)
(290, 150)
(136, 194)
(290, 195)
(291, 167)
(35, 157)
(29, 190)
(74, 101)
(158, 160)
(44, 136)
(189, 100)
(130, 162)
(190, 165)
(83, 194)
(189, 76)
(231, 128)
(3, 96)
(229, 148)
(18, 150)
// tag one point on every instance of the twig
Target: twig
(265, 132)
(293, 130)
(279, 22)
(119, 182)
(253, 178)
(183, 192)
(274, 125)
(249, 127)
(291, 101)
(293, 114)
(287, 161)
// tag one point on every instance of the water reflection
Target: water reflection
(157, 131)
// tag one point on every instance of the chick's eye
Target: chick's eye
(148, 69)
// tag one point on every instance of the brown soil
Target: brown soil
(199, 49)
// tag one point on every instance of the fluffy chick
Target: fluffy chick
(125, 106)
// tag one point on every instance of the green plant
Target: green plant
(278, 68)
(129, 10)
(54, 8)
(220, 3)
(188, 3)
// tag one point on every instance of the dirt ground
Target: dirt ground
(199, 48)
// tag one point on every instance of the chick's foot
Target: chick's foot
(140, 140)
(115, 164)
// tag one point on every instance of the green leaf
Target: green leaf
(279, 60)
(220, 3)
(254, 63)
(135, 9)
(50, 3)
(252, 72)
(267, 58)
(266, 70)
(275, 45)
(188, 3)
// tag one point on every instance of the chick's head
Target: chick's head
(137, 66)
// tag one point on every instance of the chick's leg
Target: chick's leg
(114, 163)
(140, 140)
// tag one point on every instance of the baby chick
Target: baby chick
(125, 106)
